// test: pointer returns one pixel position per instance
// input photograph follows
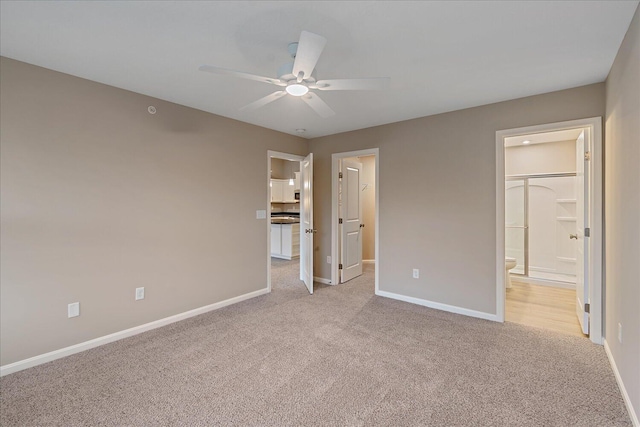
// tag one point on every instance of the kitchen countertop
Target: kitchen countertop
(285, 220)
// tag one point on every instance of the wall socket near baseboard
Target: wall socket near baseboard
(139, 293)
(73, 309)
(620, 333)
(328, 259)
(416, 273)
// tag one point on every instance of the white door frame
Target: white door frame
(594, 124)
(277, 155)
(335, 168)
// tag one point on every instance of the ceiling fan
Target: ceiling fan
(298, 77)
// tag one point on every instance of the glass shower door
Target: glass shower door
(516, 235)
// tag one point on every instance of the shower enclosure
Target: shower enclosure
(540, 215)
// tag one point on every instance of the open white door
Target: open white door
(306, 222)
(351, 226)
(582, 224)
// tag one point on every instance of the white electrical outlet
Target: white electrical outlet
(73, 309)
(328, 259)
(139, 293)
(416, 273)
(620, 333)
(261, 214)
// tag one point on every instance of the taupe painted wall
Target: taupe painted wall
(550, 157)
(284, 169)
(100, 197)
(622, 211)
(437, 194)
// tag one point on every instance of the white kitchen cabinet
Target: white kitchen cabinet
(276, 239)
(282, 191)
(288, 192)
(277, 190)
(296, 187)
(285, 241)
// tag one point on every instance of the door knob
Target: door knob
(573, 236)
(361, 225)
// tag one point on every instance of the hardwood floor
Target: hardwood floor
(543, 307)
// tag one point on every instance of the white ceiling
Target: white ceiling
(544, 137)
(440, 56)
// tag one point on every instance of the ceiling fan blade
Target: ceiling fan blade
(309, 49)
(318, 105)
(227, 72)
(264, 101)
(378, 83)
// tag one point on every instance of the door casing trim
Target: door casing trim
(335, 168)
(596, 280)
(283, 156)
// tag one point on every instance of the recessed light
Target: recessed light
(301, 130)
(525, 142)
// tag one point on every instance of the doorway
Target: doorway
(355, 205)
(290, 211)
(549, 226)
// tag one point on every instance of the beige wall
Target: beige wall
(284, 169)
(550, 157)
(100, 197)
(437, 194)
(622, 211)
(368, 187)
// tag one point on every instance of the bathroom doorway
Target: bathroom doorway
(549, 213)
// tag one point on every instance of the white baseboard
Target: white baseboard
(439, 306)
(77, 348)
(542, 282)
(322, 280)
(368, 261)
(625, 396)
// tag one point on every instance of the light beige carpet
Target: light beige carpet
(340, 357)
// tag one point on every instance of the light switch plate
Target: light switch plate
(261, 214)
(139, 293)
(73, 309)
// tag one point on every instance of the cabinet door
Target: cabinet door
(277, 190)
(295, 240)
(276, 239)
(296, 187)
(289, 192)
(286, 240)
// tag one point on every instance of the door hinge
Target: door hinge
(339, 266)
(587, 155)
(587, 232)
(587, 308)
(340, 175)
(339, 220)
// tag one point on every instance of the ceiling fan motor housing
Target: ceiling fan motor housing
(285, 73)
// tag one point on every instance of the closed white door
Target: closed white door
(306, 220)
(351, 215)
(582, 222)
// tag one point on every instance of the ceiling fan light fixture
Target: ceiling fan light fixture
(296, 89)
